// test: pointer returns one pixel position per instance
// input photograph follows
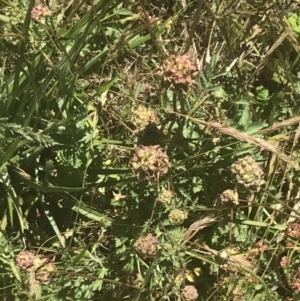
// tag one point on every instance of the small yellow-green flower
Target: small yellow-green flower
(177, 216)
(165, 196)
(142, 117)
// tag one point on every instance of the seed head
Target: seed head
(43, 273)
(229, 195)
(178, 70)
(142, 117)
(147, 245)
(177, 216)
(165, 196)
(293, 230)
(40, 12)
(25, 259)
(150, 162)
(248, 173)
(189, 293)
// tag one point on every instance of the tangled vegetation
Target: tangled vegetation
(149, 150)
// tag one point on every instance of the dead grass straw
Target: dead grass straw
(261, 143)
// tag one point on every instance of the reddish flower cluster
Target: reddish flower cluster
(284, 261)
(293, 275)
(262, 246)
(296, 285)
(40, 12)
(189, 293)
(150, 162)
(147, 245)
(42, 268)
(293, 230)
(179, 70)
(229, 196)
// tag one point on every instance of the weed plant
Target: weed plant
(149, 150)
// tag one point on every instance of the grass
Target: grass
(124, 127)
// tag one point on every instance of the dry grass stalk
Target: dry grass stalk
(261, 143)
(291, 36)
(271, 50)
(241, 261)
(285, 123)
(197, 226)
(235, 258)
